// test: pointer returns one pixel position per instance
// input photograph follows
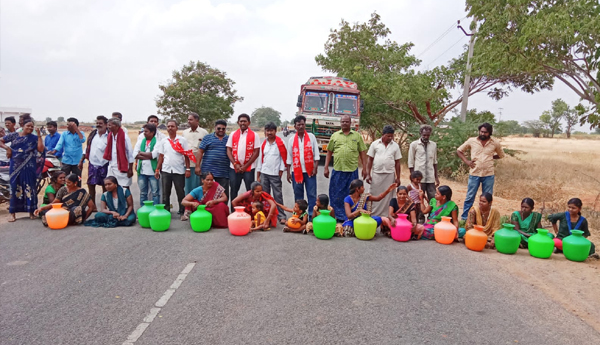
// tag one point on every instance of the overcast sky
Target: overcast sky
(87, 58)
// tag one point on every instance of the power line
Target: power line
(445, 51)
(439, 38)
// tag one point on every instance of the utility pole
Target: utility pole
(465, 98)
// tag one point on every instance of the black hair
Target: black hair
(244, 115)
(299, 118)
(112, 179)
(72, 119)
(259, 205)
(151, 127)
(416, 174)
(402, 188)
(196, 116)
(323, 200)
(153, 117)
(528, 201)
(254, 185)
(27, 120)
(445, 191)
(302, 205)
(487, 126)
(56, 175)
(117, 114)
(11, 119)
(488, 197)
(270, 126)
(221, 122)
(102, 118)
(575, 201)
(206, 173)
(73, 178)
(52, 123)
(173, 120)
(354, 185)
(388, 130)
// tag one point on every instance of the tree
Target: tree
(481, 117)
(48, 119)
(201, 89)
(559, 111)
(61, 119)
(537, 42)
(537, 127)
(572, 117)
(260, 116)
(510, 127)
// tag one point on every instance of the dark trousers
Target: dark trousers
(72, 169)
(272, 185)
(235, 180)
(224, 182)
(168, 180)
(429, 190)
(310, 184)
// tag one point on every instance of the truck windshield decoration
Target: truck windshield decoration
(315, 101)
(346, 104)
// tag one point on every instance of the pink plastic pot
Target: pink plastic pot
(403, 229)
(239, 222)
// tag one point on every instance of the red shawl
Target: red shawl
(250, 137)
(308, 158)
(176, 145)
(122, 162)
(247, 203)
(280, 146)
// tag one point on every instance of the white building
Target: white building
(12, 111)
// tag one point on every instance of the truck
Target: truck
(323, 101)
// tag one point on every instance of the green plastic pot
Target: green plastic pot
(143, 213)
(365, 227)
(540, 245)
(201, 219)
(576, 247)
(324, 225)
(507, 239)
(160, 219)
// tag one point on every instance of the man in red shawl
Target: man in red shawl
(243, 148)
(119, 153)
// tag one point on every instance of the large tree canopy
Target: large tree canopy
(263, 115)
(201, 89)
(535, 42)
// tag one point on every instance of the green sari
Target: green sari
(435, 216)
(527, 225)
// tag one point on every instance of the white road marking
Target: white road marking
(162, 301)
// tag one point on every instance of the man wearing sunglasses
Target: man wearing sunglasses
(212, 155)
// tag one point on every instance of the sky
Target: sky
(88, 58)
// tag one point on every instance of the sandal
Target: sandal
(282, 221)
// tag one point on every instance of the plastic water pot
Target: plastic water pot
(365, 227)
(576, 247)
(239, 222)
(540, 245)
(507, 239)
(201, 219)
(324, 225)
(476, 239)
(57, 217)
(160, 219)
(444, 231)
(143, 213)
(403, 229)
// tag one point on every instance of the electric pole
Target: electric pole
(465, 98)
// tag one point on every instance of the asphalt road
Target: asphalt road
(97, 286)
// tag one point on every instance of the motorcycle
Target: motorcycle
(51, 164)
(4, 184)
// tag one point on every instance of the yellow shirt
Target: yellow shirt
(483, 156)
(259, 218)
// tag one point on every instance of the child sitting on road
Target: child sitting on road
(297, 222)
(258, 216)
(323, 204)
(414, 188)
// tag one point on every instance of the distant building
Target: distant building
(12, 111)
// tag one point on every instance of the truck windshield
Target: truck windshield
(315, 101)
(346, 104)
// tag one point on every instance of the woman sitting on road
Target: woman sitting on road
(211, 194)
(74, 199)
(440, 206)
(402, 204)
(485, 215)
(56, 182)
(116, 206)
(359, 202)
(571, 220)
(526, 221)
(256, 194)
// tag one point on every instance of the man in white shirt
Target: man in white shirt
(94, 153)
(173, 164)
(243, 148)
(147, 163)
(154, 120)
(271, 165)
(303, 158)
(383, 169)
(194, 136)
(119, 153)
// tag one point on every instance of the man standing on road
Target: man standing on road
(194, 136)
(174, 163)
(52, 138)
(243, 148)
(271, 165)
(303, 157)
(147, 163)
(383, 169)
(347, 146)
(152, 119)
(70, 144)
(119, 153)
(484, 149)
(212, 155)
(422, 156)
(94, 152)
(10, 124)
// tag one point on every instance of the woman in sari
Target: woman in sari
(26, 154)
(116, 207)
(485, 215)
(211, 194)
(440, 206)
(56, 182)
(359, 202)
(74, 199)
(402, 204)
(526, 221)
(256, 194)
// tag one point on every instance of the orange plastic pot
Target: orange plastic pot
(292, 223)
(476, 239)
(57, 218)
(444, 231)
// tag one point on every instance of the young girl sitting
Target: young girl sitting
(323, 204)
(414, 189)
(297, 222)
(571, 220)
(360, 202)
(258, 216)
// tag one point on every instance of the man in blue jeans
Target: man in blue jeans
(303, 158)
(147, 163)
(484, 149)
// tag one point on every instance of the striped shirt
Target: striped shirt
(215, 157)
